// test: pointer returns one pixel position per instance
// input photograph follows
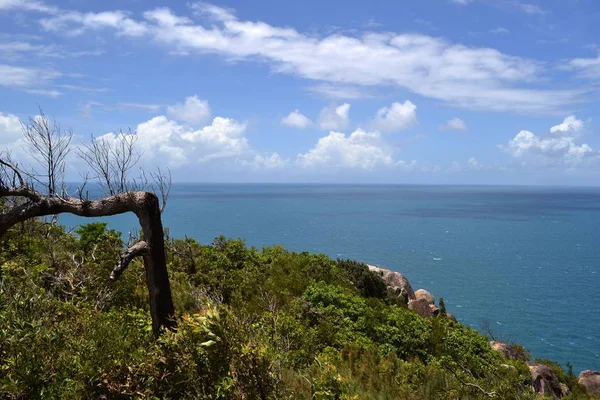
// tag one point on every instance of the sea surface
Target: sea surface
(526, 260)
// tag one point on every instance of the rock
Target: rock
(545, 382)
(565, 389)
(434, 309)
(424, 294)
(421, 307)
(396, 282)
(451, 317)
(591, 381)
(508, 351)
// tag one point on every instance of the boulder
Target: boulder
(421, 307)
(396, 282)
(545, 382)
(424, 294)
(591, 381)
(434, 309)
(509, 351)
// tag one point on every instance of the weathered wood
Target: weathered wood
(144, 205)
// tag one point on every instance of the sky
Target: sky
(428, 91)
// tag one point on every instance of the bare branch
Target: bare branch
(162, 185)
(468, 384)
(15, 170)
(137, 250)
(49, 146)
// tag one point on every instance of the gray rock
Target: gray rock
(396, 282)
(545, 382)
(509, 351)
(591, 381)
(424, 294)
(421, 307)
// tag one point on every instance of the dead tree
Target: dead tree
(23, 199)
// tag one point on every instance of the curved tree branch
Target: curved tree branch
(137, 250)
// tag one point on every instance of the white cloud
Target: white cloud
(341, 92)
(461, 2)
(587, 67)
(27, 5)
(465, 76)
(45, 92)
(10, 129)
(363, 150)
(193, 111)
(167, 141)
(406, 166)
(223, 138)
(455, 124)
(556, 148)
(296, 119)
(397, 117)
(474, 164)
(273, 161)
(73, 23)
(569, 126)
(13, 50)
(335, 118)
(12, 76)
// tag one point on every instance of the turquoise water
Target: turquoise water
(524, 259)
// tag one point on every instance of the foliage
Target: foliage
(253, 324)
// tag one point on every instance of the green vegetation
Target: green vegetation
(270, 324)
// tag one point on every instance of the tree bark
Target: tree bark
(144, 205)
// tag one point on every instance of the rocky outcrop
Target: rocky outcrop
(424, 294)
(421, 307)
(421, 301)
(591, 381)
(545, 382)
(509, 351)
(396, 282)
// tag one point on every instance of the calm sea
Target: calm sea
(524, 259)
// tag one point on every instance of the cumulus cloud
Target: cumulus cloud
(193, 111)
(177, 145)
(455, 124)
(335, 118)
(397, 117)
(569, 126)
(10, 129)
(361, 150)
(296, 119)
(466, 76)
(558, 147)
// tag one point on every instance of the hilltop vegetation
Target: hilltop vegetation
(270, 324)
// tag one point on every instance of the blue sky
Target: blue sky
(430, 91)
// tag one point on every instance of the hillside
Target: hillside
(252, 324)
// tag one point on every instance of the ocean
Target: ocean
(523, 260)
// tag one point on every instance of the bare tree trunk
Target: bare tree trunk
(49, 146)
(157, 278)
(152, 247)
